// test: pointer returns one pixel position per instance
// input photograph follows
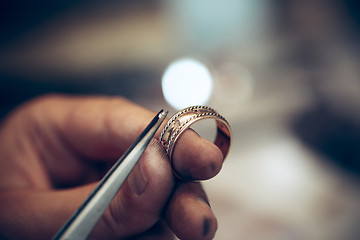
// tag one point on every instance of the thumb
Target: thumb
(137, 207)
(140, 202)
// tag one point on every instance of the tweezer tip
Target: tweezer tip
(162, 114)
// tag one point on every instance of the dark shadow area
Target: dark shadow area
(352, 8)
(16, 90)
(20, 17)
(332, 135)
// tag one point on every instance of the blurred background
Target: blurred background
(285, 74)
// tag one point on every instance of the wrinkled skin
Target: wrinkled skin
(54, 149)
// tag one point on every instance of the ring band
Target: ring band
(183, 119)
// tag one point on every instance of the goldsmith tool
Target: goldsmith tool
(81, 224)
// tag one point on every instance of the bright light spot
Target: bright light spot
(186, 82)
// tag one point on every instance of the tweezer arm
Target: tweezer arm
(80, 225)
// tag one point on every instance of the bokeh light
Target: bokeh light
(187, 82)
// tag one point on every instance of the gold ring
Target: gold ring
(183, 119)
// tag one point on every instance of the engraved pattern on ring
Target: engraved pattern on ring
(174, 127)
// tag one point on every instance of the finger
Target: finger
(96, 127)
(102, 128)
(136, 208)
(105, 127)
(160, 231)
(196, 158)
(140, 202)
(57, 133)
(39, 214)
(189, 214)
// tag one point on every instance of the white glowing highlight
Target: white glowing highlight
(187, 82)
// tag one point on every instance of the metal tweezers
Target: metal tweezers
(81, 224)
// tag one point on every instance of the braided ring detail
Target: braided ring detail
(183, 119)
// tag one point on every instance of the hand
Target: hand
(54, 149)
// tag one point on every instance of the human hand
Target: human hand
(54, 149)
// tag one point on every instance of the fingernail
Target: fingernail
(204, 201)
(213, 167)
(206, 226)
(137, 179)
